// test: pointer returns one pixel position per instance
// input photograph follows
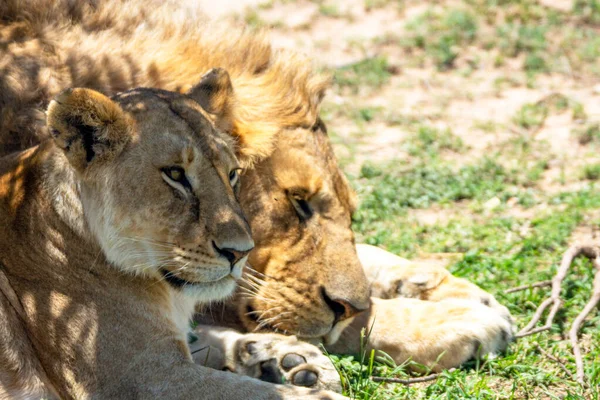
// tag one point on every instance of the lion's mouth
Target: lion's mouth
(251, 313)
(179, 282)
(261, 325)
(173, 280)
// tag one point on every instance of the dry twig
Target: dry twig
(556, 360)
(592, 251)
(530, 286)
(408, 381)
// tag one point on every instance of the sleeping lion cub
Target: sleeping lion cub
(110, 231)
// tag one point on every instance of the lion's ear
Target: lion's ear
(214, 93)
(88, 126)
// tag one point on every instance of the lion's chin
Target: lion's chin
(207, 292)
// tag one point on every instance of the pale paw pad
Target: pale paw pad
(284, 359)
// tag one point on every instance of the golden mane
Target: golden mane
(171, 47)
(274, 89)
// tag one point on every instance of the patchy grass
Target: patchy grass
(371, 73)
(441, 35)
(591, 171)
(330, 10)
(529, 39)
(589, 10)
(531, 116)
(588, 134)
(431, 141)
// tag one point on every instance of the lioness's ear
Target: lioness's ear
(88, 126)
(214, 93)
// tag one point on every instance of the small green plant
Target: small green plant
(375, 4)
(486, 126)
(431, 141)
(253, 19)
(589, 46)
(591, 172)
(442, 35)
(531, 116)
(530, 39)
(366, 114)
(372, 72)
(588, 9)
(356, 375)
(588, 134)
(329, 10)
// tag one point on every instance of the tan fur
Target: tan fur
(308, 266)
(96, 243)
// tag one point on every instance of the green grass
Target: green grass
(441, 35)
(591, 171)
(540, 36)
(528, 39)
(431, 141)
(329, 10)
(370, 72)
(589, 10)
(531, 116)
(588, 134)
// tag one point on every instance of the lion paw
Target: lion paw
(269, 357)
(448, 333)
(285, 359)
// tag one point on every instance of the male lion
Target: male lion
(110, 232)
(306, 278)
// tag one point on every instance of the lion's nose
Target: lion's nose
(232, 255)
(342, 308)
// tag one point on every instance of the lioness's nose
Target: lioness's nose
(232, 255)
(342, 308)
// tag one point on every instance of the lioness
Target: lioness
(110, 232)
(306, 278)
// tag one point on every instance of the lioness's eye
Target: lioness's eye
(176, 174)
(234, 176)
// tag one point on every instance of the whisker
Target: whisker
(251, 269)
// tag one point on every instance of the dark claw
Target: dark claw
(292, 360)
(305, 378)
(269, 372)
